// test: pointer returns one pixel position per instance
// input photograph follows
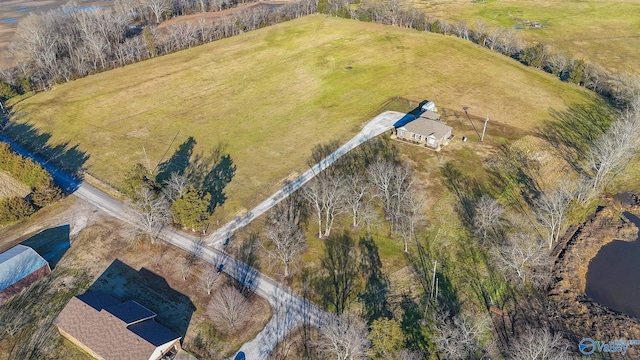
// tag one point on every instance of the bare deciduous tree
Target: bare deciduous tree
(157, 8)
(175, 186)
(284, 236)
(354, 196)
(412, 214)
(229, 309)
(208, 278)
(617, 146)
(151, 213)
(551, 210)
(380, 174)
(488, 214)
(540, 344)
(325, 194)
(185, 265)
(344, 338)
(457, 337)
(522, 258)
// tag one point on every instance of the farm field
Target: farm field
(272, 94)
(602, 31)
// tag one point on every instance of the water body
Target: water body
(613, 276)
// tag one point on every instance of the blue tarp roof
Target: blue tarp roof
(17, 263)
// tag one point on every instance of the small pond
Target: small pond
(613, 276)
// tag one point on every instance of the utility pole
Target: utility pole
(146, 157)
(485, 128)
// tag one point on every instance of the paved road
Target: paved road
(377, 126)
(289, 309)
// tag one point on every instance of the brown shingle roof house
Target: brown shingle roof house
(109, 329)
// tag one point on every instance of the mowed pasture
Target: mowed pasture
(273, 94)
(603, 31)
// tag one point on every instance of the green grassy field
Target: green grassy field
(603, 31)
(272, 94)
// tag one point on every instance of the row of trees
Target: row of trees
(619, 87)
(75, 41)
(43, 190)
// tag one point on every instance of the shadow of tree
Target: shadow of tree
(245, 270)
(410, 324)
(178, 162)
(515, 176)
(212, 174)
(376, 289)
(51, 243)
(467, 189)
(28, 141)
(174, 309)
(571, 132)
(69, 158)
(217, 179)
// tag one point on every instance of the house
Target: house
(106, 328)
(426, 129)
(20, 266)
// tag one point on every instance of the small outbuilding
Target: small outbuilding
(107, 328)
(426, 129)
(20, 266)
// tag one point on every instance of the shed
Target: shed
(429, 106)
(20, 266)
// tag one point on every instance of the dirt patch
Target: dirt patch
(99, 259)
(580, 314)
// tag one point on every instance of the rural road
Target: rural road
(289, 309)
(377, 126)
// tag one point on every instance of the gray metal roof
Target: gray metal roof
(17, 263)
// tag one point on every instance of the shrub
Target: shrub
(15, 208)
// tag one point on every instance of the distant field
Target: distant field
(272, 94)
(603, 31)
(10, 187)
(12, 11)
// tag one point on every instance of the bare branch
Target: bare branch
(229, 309)
(344, 338)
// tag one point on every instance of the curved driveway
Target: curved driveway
(289, 309)
(377, 126)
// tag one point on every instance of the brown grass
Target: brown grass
(97, 246)
(10, 187)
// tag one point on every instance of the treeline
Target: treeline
(619, 87)
(74, 41)
(43, 190)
